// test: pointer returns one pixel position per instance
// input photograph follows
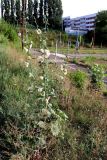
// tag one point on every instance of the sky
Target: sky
(76, 8)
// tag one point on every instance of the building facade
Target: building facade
(81, 24)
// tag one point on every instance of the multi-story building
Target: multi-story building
(81, 24)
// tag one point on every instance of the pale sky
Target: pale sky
(76, 8)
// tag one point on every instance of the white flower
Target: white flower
(29, 58)
(38, 31)
(19, 34)
(55, 128)
(41, 77)
(27, 64)
(26, 49)
(40, 89)
(40, 59)
(30, 47)
(45, 112)
(65, 71)
(61, 77)
(30, 89)
(47, 53)
(30, 75)
(47, 100)
(42, 50)
(62, 68)
(42, 124)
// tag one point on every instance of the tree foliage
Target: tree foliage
(35, 11)
(101, 28)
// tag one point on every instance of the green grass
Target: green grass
(64, 50)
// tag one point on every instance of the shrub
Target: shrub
(97, 75)
(8, 31)
(78, 78)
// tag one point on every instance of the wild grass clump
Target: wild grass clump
(89, 60)
(3, 39)
(79, 78)
(8, 31)
(85, 136)
(97, 75)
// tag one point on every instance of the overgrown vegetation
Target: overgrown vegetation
(32, 124)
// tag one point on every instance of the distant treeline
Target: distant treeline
(36, 12)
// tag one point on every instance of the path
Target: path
(60, 59)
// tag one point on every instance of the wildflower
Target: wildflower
(30, 75)
(41, 77)
(30, 89)
(61, 77)
(42, 50)
(40, 89)
(62, 68)
(26, 49)
(31, 43)
(47, 100)
(19, 34)
(45, 112)
(42, 124)
(27, 64)
(38, 31)
(55, 128)
(65, 71)
(47, 53)
(40, 59)
(29, 58)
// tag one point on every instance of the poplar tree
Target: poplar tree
(6, 10)
(35, 11)
(45, 7)
(58, 14)
(18, 11)
(41, 12)
(50, 13)
(2, 7)
(30, 11)
(12, 17)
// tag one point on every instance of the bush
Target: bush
(8, 31)
(97, 75)
(78, 78)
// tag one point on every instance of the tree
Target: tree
(30, 11)
(35, 11)
(7, 10)
(58, 14)
(55, 14)
(2, 8)
(101, 28)
(41, 12)
(18, 11)
(12, 17)
(45, 7)
(50, 13)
